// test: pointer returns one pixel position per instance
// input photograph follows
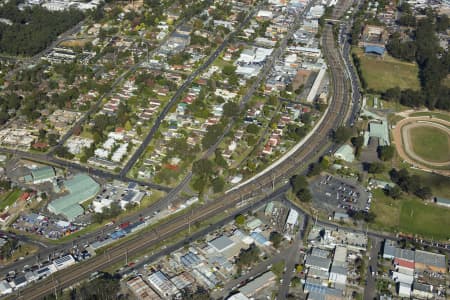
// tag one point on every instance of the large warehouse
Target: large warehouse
(81, 188)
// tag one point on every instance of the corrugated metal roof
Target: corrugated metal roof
(81, 188)
(43, 173)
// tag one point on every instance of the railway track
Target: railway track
(339, 105)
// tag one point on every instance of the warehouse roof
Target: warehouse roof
(81, 188)
(258, 283)
(43, 173)
(345, 152)
(381, 131)
(430, 259)
(221, 243)
(374, 49)
(318, 262)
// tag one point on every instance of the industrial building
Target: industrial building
(43, 174)
(141, 290)
(81, 188)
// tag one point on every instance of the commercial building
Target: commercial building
(64, 262)
(318, 263)
(81, 188)
(221, 243)
(253, 287)
(162, 284)
(43, 174)
(141, 290)
(345, 152)
(380, 130)
(428, 261)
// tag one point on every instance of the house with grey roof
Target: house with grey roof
(389, 249)
(422, 290)
(259, 283)
(319, 263)
(221, 243)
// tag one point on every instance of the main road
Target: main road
(335, 114)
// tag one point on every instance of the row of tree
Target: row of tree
(433, 61)
(33, 29)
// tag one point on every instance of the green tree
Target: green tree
(203, 168)
(394, 192)
(212, 135)
(230, 109)
(298, 182)
(386, 153)
(376, 167)
(229, 70)
(276, 238)
(342, 134)
(218, 184)
(252, 129)
(239, 219)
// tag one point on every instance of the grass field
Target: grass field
(75, 43)
(430, 220)
(386, 210)
(382, 74)
(438, 115)
(410, 215)
(9, 199)
(430, 143)
(438, 183)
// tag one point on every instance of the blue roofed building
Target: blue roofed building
(259, 238)
(374, 50)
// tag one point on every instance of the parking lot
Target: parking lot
(339, 194)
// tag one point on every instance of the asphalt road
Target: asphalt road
(264, 183)
(65, 164)
(292, 258)
(370, 288)
(187, 83)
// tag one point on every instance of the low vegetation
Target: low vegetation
(430, 143)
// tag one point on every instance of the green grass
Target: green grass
(425, 219)
(410, 215)
(430, 143)
(382, 74)
(438, 183)
(386, 210)
(438, 115)
(9, 199)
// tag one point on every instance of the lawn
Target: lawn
(382, 74)
(430, 143)
(9, 199)
(425, 219)
(410, 215)
(386, 210)
(438, 183)
(437, 115)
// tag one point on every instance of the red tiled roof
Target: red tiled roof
(404, 263)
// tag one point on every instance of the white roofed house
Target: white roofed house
(292, 219)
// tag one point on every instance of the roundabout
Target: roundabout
(424, 142)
